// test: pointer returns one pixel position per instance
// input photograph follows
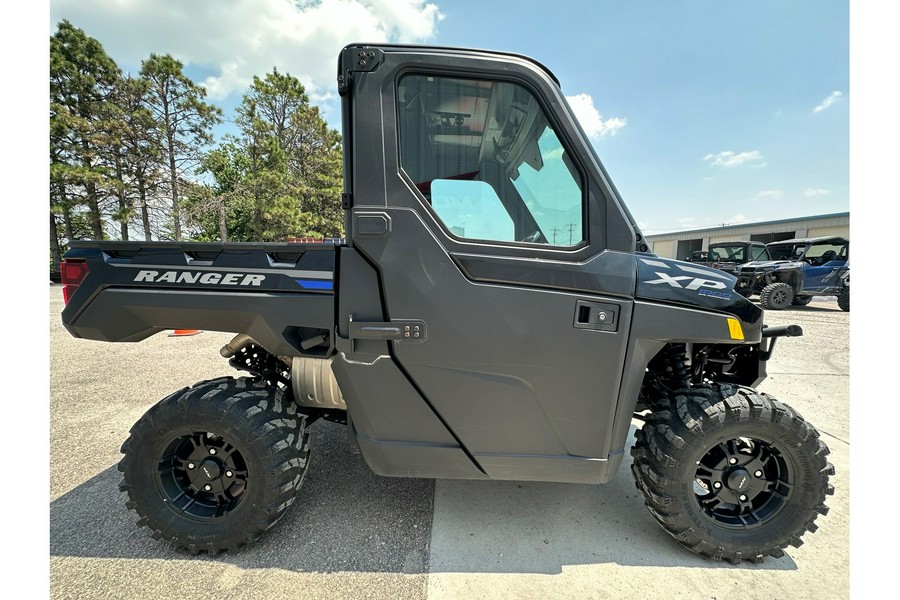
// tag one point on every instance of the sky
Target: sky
(703, 112)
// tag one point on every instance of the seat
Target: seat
(828, 256)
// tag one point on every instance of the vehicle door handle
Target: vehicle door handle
(599, 316)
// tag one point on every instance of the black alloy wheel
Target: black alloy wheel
(201, 475)
(743, 483)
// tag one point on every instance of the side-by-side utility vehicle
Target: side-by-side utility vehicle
(796, 271)
(727, 256)
(494, 314)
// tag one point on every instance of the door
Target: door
(826, 262)
(493, 229)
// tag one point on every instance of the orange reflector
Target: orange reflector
(735, 330)
(183, 332)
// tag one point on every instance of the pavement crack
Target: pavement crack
(831, 435)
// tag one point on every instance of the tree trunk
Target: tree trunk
(67, 212)
(55, 250)
(94, 209)
(145, 213)
(223, 226)
(93, 202)
(123, 202)
(173, 171)
(173, 177)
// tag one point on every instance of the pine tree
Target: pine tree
(82, 77)
(186, 121)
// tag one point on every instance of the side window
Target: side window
(758, 253)
(819, 254)
(485, 157)
(471, 209)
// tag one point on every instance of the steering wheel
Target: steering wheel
(532, 238)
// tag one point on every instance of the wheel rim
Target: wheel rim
(201, 475)
(742, 483)
(779, 297)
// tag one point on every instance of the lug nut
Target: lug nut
(212, 450)
(743, 498)
(758, 473)
(207, 487)
(190, 465)
(228, 473)
(733, 461)
(717, 485)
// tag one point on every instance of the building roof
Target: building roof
(724, 228)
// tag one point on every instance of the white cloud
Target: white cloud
(730, 159)
(242, 38)
(831, 99)
(813, 192)
(591, 121)
(769, 195)
(738, 218)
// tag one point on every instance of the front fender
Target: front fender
(653, 326)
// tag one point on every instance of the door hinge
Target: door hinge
(400, 331)
(360, 59)
(346, 201)
(394, 331)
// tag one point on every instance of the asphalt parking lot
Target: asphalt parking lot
(353, 534)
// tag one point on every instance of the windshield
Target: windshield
(727, 252)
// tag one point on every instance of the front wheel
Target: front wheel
(731, 473)
(213, 466)
(776, 296)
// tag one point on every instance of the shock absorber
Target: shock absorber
(675, 359)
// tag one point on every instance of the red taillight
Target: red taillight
(73, 271)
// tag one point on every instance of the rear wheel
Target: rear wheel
(776, 296)
(213, 466)
(732, 474)
(843, 299)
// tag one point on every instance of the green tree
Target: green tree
(292, 161)
(220, 210)
(82, 77)
(140, 145)
(186, 121)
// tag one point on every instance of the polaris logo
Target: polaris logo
(243, 279)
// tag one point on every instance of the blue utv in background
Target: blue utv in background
(799, 269)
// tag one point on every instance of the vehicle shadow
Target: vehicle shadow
(346, 518)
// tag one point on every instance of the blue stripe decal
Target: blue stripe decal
(313, 284)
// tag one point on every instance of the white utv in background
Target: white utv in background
(494, 314)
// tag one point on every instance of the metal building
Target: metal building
(681, 244)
